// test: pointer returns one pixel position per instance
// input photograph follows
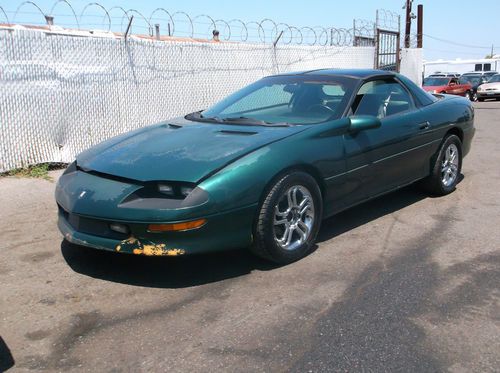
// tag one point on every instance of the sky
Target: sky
(454, 28)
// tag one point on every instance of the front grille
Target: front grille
(94, 227)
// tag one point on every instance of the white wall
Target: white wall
(411, 64)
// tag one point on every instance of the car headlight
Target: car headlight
(166, 195)
(479, 89)
(185, 191)
(175, 190)
(166, 189)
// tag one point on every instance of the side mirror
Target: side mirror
(363, 122)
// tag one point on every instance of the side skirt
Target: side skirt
(335, 212)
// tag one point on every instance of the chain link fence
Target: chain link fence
(62, 94)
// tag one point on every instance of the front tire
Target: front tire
(446, 167)
(289, 219)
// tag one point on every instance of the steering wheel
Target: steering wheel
(325, 108)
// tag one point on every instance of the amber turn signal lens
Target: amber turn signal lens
(184, 226)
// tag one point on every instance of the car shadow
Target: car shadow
(161, 272)
(369, 211)
(193, 270)
(372, 210)
(6, 358)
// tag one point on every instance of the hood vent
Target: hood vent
(240, 133)
(171, 126)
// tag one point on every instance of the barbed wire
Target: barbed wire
(5, 15)
(67, 3)
(162, 22)
(388, 20)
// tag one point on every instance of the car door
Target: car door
(381, 159)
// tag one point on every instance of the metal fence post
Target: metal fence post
(128, 26)
(157, 31)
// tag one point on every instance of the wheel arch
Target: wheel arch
(457, 131)
(306, 168)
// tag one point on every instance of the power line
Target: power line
(455, 43)
(453, 52)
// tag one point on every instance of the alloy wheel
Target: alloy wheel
(449, 166)
(293, 217)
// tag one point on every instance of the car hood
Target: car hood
(178, 150)
(495, 85)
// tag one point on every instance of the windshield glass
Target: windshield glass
(471, 79)
(295, 99)
(494, 79)
(435, 81)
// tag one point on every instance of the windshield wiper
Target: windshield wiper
(197, 116)
(253, 122)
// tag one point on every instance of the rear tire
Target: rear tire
(468, 96)
(289, 219)
(446, 167)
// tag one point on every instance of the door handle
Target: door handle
(424, 125)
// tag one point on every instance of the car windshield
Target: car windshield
(471, 79)
(284, 100)
(435, 81)
(494, 79)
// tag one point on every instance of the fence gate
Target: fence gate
(387, 51)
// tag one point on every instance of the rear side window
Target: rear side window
(382, 98)
(420, 95)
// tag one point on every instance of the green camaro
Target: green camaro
(262, 168)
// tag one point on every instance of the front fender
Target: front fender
(242, 183)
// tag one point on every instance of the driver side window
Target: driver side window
(381, 98)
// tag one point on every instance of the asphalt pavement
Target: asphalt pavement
(403, 283)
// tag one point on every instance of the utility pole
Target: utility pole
(408, 23)
(420, 25)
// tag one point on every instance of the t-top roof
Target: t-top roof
(353, 73)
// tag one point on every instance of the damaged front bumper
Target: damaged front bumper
(223, 231)
(90, 207)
